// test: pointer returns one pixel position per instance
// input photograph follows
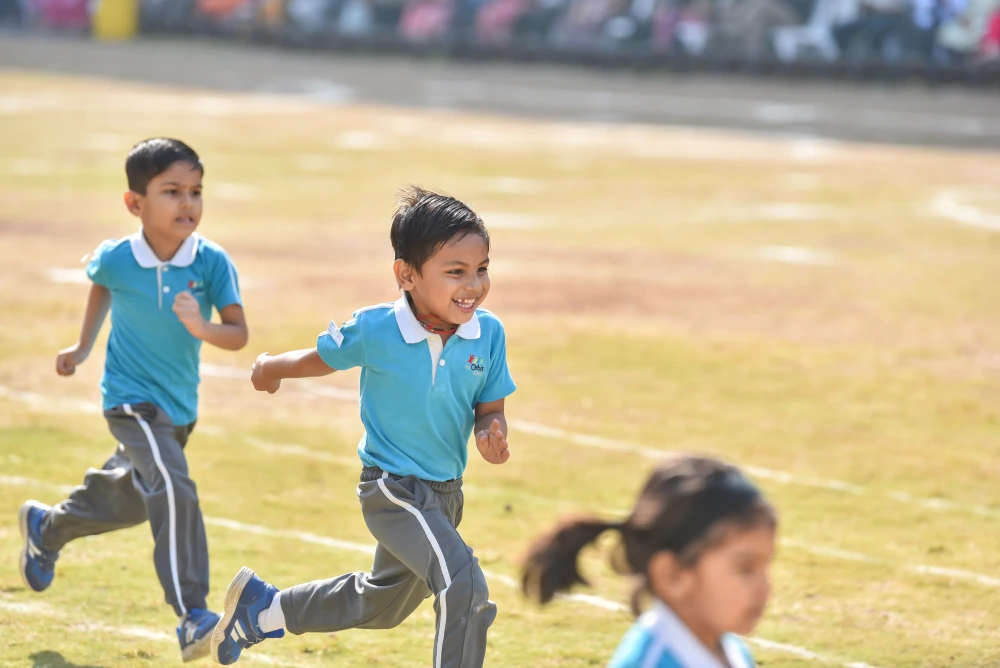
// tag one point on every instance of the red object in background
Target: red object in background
(68, 14)
(990, 46)
(426, 20)
(495, 20)
(219, 8)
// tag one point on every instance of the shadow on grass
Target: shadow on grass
(55, 660)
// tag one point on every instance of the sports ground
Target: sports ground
(822, 312)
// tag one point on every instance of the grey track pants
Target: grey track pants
(146, 478)
(419, 553)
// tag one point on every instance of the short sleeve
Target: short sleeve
(97, 268)
(498, 384)
(342, 347)
(223, 282)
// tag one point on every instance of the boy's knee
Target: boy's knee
(471, 584)
(185, 492)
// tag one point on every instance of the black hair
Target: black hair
(150, 158)
(425, 221)
(684, 508)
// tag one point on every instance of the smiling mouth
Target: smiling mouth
(465, 304)
(184, 220)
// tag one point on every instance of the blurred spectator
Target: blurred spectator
(959, 37)
(496, 20)
(386, 15)
(816, 35)
(11, 12)
(743, 28)
(893, 30)
(426, 20)
(681, 26)
(583, 24)
(533, 26)
(166, 15)
(63, 14)
(356, 19)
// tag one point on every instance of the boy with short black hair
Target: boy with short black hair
(433, 372)
(161, 284)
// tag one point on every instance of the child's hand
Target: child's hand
(258, 377)
(188, 311)
(68, 359)
(492, 444)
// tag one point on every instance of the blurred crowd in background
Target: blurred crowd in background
(936, 33)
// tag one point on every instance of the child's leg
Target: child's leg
(160, 476)
(415, 525)
(381, 599)
(106, 501)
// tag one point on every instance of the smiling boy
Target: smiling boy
(433, 372)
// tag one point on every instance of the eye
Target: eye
(483, 270)
(455, 272)
(172, 191)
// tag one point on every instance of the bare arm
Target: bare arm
(98, 303)
(269, 370)
(490, 431)
(230, 334)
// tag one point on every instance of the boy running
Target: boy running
(161, 284)
(433, 371)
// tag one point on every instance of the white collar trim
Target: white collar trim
(671, 632)
(144, 255)
(414, 332)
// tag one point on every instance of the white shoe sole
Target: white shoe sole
(233, 594)
(199, 649)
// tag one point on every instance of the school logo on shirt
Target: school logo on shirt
(196, 287)
(475, 364)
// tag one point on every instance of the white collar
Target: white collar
(144, 255)
(414, 332)
(671, 632)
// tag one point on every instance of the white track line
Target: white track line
(600, 443)
(832, 553)
(586, 599)
(293, 450)
(586, 440)
(951, 204)
(612, 445)
(138, 632)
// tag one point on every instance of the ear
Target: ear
(404, 274)
(668, 578)
(133, 202)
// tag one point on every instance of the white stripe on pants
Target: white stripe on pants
(171, 503)
(443, 622)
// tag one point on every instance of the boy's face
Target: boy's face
(452, 283)
(171, 208)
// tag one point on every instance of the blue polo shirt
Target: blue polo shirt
(151, 356)
(418, 399)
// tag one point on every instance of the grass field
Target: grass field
(826, 314)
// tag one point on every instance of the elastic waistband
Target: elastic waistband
(372, 473)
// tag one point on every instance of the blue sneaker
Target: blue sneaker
(195, 633)
(246, 598)
(38, 565)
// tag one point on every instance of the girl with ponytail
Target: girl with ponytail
(699, 541)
